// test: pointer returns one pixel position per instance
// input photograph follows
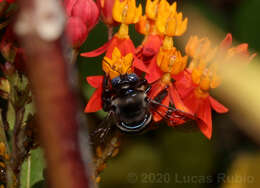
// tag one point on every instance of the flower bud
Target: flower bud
(87, 10)
(76, 31)
(106, 7)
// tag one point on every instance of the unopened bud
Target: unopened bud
(106, 7)
(76, 31)
(88, 11)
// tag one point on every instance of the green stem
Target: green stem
(28, 172)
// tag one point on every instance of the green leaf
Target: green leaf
(35, 173)
(39, 184)
(11, 116)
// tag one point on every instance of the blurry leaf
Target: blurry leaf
(29, 110)
(36, 171)
(2, 133)
(244, 172)
(39, 184)
(11, 116)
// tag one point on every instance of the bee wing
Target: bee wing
(175, 117)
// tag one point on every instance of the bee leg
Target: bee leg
(100, 133)
(161, 95)
(106, 94)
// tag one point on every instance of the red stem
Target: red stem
(57, 107)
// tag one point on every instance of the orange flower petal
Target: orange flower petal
(95, 81)
(184, 84)
(140, 65)
(192, 102)
(152, 45)
(243, 49)
(217, 106)
(226, 43)
(125, 46)
(161, 110)
(175, 97)
(156, 88)
(96, 52)
(95, 102)
(204, 113)
(154, 72)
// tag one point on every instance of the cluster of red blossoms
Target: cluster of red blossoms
(8, 1)
(188, 78)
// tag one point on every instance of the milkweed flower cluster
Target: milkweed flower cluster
(188, 77)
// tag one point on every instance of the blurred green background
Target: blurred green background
(168, 158)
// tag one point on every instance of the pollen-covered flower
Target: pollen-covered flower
(146, 26)
(169, 22)
(126, 12)
(118, 64)
(160, 23)
(113, 67)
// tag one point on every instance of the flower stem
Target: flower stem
(110, 32)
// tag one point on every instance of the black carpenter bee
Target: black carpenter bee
(126, 100)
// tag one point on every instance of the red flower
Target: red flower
(76, 31)
(149, 48)
(86, 10)
(200, 104)
(106, 7)
(202, 75)
(125, 46)
(82, 17)
(172, 97)
(95, 102)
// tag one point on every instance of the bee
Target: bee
(126, 99)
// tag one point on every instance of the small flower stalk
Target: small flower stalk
(106, 9)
